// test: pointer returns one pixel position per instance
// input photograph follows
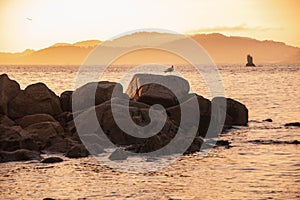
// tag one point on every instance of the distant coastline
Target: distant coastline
(222, 49)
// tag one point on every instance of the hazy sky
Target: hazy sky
(37, 24)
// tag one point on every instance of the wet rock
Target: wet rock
(35, 99)
(9, 139)
(77, 151)
(268, 120)
(19, 155)
(47, 134)
(52, 160)
(4, 120)
(34, 119)
(157, 89)
(274, 142)
(9, 89)
(95, 93)
(64, 118)
(293, 124)
(118, 154)
(138, 113)
(66, 101)
(236, 110)
(195, 146)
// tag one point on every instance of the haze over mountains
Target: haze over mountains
(222, 49)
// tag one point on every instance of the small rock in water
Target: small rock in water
(118, 154)
(293, 124)
(268, 120)
(52, 160)
(77, 151)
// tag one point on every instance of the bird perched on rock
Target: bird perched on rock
(170, 69)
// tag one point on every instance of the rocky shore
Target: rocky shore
(35, 120)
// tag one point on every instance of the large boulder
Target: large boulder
(157, 89)
(9, 89)
(236, 111)
(35, 99)
(33, 119)
(19, 155)
(138, 112)
(4, 120)
(47, 134)
(66, 101)
(205, 118)
(9, 138)
(98, 91)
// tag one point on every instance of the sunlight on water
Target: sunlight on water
(248, 170)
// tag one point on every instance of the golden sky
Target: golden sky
(36, 24)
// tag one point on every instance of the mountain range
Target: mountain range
(221, 48)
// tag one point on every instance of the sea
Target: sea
(261, 163)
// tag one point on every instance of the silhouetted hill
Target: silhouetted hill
(222, 49)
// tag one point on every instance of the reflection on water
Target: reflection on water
(248, 170)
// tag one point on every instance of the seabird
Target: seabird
(170, 69)
(28, 18)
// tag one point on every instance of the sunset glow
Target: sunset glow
(35, 24)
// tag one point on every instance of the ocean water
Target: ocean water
(259, 165)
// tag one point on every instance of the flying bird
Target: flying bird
(28, 18)
(170, 69)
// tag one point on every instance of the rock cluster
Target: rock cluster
(36, 120)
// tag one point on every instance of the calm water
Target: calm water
(248, 170)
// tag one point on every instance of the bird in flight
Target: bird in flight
(28, 18)
(170, 69)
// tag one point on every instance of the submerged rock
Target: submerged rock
(52, 160)
(19, 155)
(118, 154)
(293, 124)
(77, 151)
(268, 120)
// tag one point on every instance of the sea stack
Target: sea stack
(250, 61)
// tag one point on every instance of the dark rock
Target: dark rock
(52, 160)
(34, 119)
(77, 151)
(250, 61)
(236, 110)
(293, 124)
(47, 134)
(9, 139)
(274, 142)
(98, 91)
(19, 155)
(9, 89)
(64, 118)
(268, 120)
(138, 113)
(48, 198)
(35, 99)
(223, 143)
(195, 146)
(157, 89)
(118, 154)
(66, 101)
(4, 120)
